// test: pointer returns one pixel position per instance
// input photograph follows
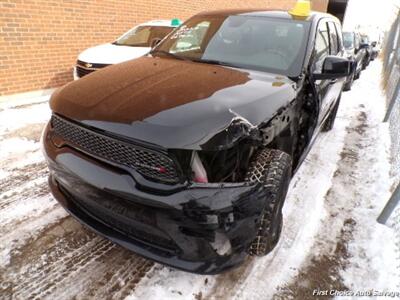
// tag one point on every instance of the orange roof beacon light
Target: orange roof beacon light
(301, 9)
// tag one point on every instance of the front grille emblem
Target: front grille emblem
(88, 65)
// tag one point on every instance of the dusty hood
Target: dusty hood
(172, 103)
(111, 54)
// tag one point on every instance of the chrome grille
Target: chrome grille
(83, 69)
(149, 163)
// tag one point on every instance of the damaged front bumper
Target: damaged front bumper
(201, 228)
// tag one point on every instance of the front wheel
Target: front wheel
(272, 168)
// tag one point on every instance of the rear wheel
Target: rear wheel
(272, 168)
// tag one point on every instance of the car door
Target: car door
(326, 43)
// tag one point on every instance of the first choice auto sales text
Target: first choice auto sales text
(348, 293)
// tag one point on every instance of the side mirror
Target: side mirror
(335, 67)
(374, 44)
(155, 42)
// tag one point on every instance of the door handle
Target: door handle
(333, 81)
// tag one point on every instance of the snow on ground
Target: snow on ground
(330, 238)
(372, 244)
(15, 147)
(3, 174)
(17, 117)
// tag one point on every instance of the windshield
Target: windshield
(260, 43)
(348, 40)
(364, 39)
(143, 36)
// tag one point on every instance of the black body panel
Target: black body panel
(171, 103)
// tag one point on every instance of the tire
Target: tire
(364, 66)
(365, 63)
(273, 169)
(330, 121)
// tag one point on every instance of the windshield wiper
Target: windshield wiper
(169, 54)
(216, 62)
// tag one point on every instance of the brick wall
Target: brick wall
(40, 39)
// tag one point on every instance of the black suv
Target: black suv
(355, 53)
(185, 155)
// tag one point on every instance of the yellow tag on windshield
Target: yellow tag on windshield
(301, 9)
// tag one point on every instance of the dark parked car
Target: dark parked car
(355, 53)
(375, 50)
(185, 156)
(369, 48)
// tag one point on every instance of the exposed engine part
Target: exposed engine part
(228, 165)
(200, 174)
(238, 129)
(230, 161)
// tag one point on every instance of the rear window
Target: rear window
(348, 40)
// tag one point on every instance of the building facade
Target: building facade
(40, 40)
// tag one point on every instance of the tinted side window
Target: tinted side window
(333, 36)
(321, 45)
